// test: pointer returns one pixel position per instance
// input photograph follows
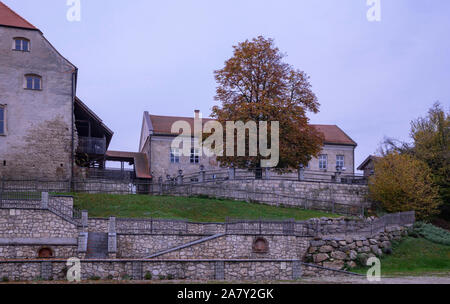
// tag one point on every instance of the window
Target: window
(174, 155)
(33, 82)
(340, 161)
(21, 44)
(323, 162)
(2, 120)
(195, 156)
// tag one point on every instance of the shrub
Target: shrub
(404, 183)
(432, 233)
(161, 277)
(170, 276)
(148, 275)
(95, 278)
(5, 279)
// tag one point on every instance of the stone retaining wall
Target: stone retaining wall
(346, 252)
(228, 270)
(241, 247)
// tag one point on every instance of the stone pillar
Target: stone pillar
(136, 271)
(112, 237)
(219, 271)
(44, 200)
(301, 172)
(180, 177)
(267, 173)
(231, 173)
(82, 242)
(296, 270)
(46, 271)
(84, 218)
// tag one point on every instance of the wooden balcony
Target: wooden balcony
(91, 145)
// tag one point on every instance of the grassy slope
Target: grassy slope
(416, 256)
(194, 209)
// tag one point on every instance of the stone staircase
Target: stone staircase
(202, 240)
(97, 245)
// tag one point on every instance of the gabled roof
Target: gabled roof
(369, 159)
(10, 18)
(108, 133)
(333, 135)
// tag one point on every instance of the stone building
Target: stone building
(46, 131)
(157, 136)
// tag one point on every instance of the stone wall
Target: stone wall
(23, 223)
(346, 252)
(230, 270)
(283, 192)
(241, 247)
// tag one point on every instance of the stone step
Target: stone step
(97, 245)
(202, 240)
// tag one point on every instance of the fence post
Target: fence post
(44, 200)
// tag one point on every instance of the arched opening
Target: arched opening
(45, 253)
(260, 245)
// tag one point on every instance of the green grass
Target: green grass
(415, 256)
(193, 209)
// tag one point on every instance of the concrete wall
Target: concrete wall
(39, 123)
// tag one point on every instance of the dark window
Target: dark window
(2, 120)
(195, 156)
(34, 82)
(22, 44)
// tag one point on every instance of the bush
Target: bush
(161, 277)
(170, 276)
(148, 275)
(432, 233)
(5, 279)
(95, 278)
(404, 183)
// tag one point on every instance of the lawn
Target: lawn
(415, 256)
(193, 209)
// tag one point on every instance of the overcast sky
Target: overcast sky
(371, 78)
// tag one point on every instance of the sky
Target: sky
(371, 78)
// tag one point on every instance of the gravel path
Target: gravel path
(440, 279)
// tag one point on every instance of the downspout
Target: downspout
(74, 86)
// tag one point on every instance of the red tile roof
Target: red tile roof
(10, 18)
(332, 133)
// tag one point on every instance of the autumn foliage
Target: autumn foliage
(256, 85)
(404, 183)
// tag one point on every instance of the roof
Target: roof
(140, 161)
(10, 18)
(163, 124)
(367, 161)
(333, 134)
(109, 134)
